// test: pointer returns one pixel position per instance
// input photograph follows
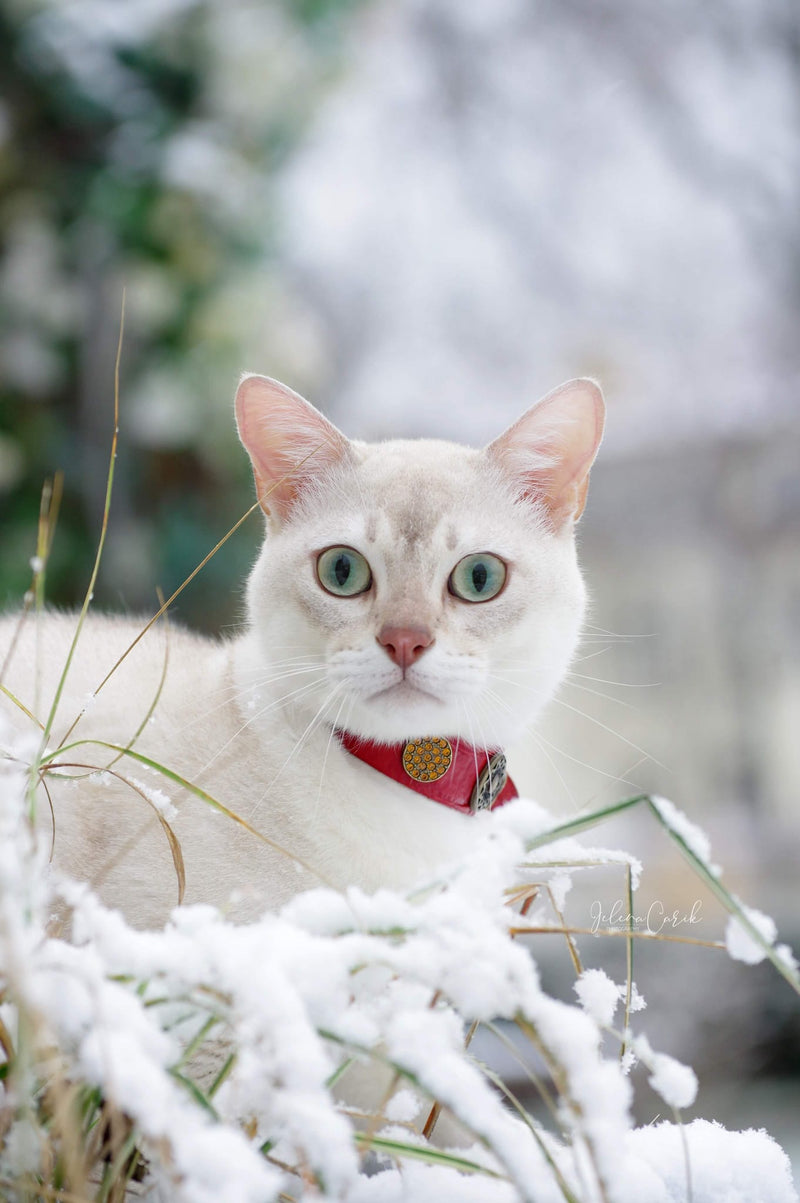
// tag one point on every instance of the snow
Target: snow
(676, 1083)
(693, 836)
(159, 800)
(740, 943)
(726, 1167)
(598, 996)
(389, 979)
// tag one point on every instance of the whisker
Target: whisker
(468, 717)
(623, 780)
(334, 726)
(611, 731)
(277, 702)
(541, 742)
(593, 768)
(621, 684)
(306, 734)
(598, 693)
(591, 656)
(589, 717)
(616, 634)
(237, 695)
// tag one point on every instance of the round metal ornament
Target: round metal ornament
(427, 759)
(490, 783)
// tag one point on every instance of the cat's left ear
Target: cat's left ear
(288, 441)
(549, 451)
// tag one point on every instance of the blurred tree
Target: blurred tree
(139, 145)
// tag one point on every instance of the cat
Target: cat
(414, 605)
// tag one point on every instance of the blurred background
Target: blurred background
(423, 215)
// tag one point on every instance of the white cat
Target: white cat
(408, 592)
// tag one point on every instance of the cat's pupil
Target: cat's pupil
(479, 577)
(341, 569)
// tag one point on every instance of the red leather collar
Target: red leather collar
(474, 779)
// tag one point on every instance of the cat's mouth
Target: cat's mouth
(405, 691)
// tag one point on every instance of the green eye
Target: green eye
(478, 577)
(343, 571)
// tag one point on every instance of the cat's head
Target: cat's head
(418, 587)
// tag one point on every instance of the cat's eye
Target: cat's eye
(478, 577)
(343, 572)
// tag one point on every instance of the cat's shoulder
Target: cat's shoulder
(53, 624)
(40, 644)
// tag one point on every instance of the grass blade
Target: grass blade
(426, 1153)
(177, 779)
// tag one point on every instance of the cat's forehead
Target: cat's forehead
(416, 488)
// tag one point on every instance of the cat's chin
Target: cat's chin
(404, 712)
(405, 694)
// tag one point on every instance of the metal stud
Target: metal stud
(490, 783)
(427, 759)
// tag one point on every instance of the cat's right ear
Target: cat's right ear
(288, 441)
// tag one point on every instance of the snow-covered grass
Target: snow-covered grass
(223, 1062)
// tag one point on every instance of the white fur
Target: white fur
(250, 720)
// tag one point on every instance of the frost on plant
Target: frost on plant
(198, 1062)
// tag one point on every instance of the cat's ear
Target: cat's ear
(550, 449)
(288, 441)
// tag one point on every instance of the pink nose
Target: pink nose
(405, 645)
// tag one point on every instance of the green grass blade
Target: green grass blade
(157, 696)
(177, 779)
(100, 547)
(629, 963)
(726, 898)
(702, 870)
(426, 1153)
(527, 1119)
(584, 822)
(21, 706)
(223, 1074)
(196, 1093)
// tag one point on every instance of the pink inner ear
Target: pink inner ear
(289, 442)
(551, 448)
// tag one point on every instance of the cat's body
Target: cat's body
(410, 652)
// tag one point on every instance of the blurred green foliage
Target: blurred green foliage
(140, 144)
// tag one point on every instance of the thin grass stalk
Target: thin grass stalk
(95, 569)
(618, 932)
(197, 1040)
(116, 1174)
(165, 606)
(571, 945)
(159, 690)
(428, 1154)
(177, 779)
(62, 1099)
(562, 1083)
(39, 1190)
(51, 491)
(629, 965)
(728, 901)
(532, 1077)
(686, 1158)
(582, 823)
(223, 1075)
(172, 839)
(21, 706)
(528, 1120)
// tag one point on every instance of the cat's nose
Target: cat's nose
(405, 645)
